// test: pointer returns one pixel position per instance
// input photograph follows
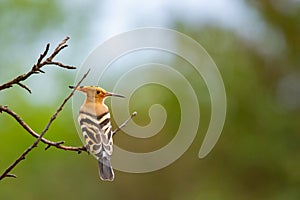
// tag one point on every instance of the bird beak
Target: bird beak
(113, 94)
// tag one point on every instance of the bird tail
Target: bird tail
(106, 172)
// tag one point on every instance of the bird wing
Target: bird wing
(97, 132)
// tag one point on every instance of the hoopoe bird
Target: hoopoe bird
(94, 120)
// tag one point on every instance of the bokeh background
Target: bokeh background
(256, 46)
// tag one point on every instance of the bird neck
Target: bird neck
(95, 106)
(93, 100)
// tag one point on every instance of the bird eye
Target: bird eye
(98, 92)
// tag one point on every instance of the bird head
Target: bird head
(94, 93)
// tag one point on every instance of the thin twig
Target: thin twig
(53, 117)
(124, 123)
(37, 67)
(11, 175)
(60, 47)
(24, 86)
(60, 65)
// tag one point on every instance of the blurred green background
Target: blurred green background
(256, 46)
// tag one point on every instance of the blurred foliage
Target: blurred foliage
(257, 156)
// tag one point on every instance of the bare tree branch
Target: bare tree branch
(37, 68)
(40, 137)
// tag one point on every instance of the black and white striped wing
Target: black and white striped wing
(96, 132)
